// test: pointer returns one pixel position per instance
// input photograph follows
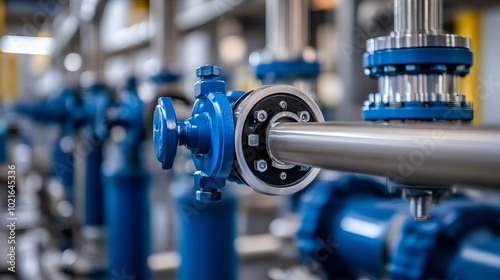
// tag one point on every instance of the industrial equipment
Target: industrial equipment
(284, 129)
(417, 67)
(353, 214)
(126, 189)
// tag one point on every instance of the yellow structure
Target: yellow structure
(468, 23)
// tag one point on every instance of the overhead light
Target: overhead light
(27, 45)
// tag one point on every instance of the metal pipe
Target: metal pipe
(439, 153)
(287, 28)
(413, 17)
(165, 40)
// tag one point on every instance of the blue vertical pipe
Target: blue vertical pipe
(206, 236)
(63, 166)
(95, 102)
(94, 193)
(128, 220)
(127, 190)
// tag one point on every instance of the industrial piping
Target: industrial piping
(437, 153)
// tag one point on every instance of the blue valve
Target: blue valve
(209, 133)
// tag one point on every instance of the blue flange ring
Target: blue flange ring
(165, 132)
(455, 56)
(419, 113)
(288, 70)
(219, 161)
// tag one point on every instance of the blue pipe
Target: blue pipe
(64, 110)
(206, 234)
(127, 190)
(128, 221)
(95, 103)
(63, 166)
(477, 258)
(354, 228)
(94, 192)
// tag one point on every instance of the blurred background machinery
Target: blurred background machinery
(79, 82)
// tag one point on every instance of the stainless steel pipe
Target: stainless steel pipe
(438, 153)
(287, 28)
(413, 17)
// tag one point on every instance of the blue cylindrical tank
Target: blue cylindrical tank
(206, 234)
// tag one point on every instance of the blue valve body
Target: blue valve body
(209, 133)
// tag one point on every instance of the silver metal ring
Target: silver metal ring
(417, 40)
(273, 122)
(241, 112)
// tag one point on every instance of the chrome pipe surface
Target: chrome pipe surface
(450, 154)
(412, 17)
(287, 28)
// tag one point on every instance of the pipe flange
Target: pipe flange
(414, 61)
(281, 103)
(417, 40)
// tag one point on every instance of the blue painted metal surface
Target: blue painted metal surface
(95, 103)
(418, 61)
(425, 250)
(3, 141)
(63, 165)
(475, 259)
(65, 110)
(283, 70)
(321, 238)
(456, 61)
(347, 224)
(126, 183)
(418, 111)
(165, 76)
(206, 234)
(209, 133)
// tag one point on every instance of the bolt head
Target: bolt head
(208, 195)
(260, 165)
(203, 182)
(283, 104)
(208, 71)
(283, 176)
(260, 116)
(304, 116)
